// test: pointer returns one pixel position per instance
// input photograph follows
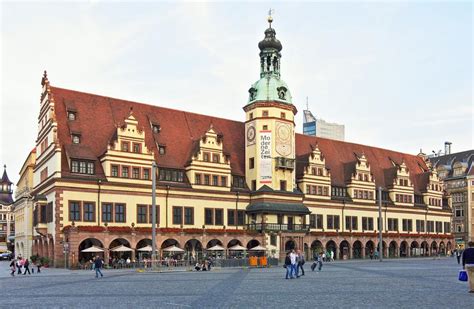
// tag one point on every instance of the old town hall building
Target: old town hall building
(222, 182)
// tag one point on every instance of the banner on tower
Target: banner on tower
(266, 157)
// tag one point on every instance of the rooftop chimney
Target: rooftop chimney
(447, 148)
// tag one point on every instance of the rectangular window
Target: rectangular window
(319, 221)
(312, 221)
(251, 163)
(75, 166)
(241, 217)
(280, 219)
(125, 146)
(177, 215)
(420, 226)
(82, 167)
(219, 216)
(283, 185)
(439, 227)
(90, 168)
(265, 114)
(223, 181)
(351, 223)
(125, 171)
(207, 180)
(282, 115)
(150, 214)
(333, 222)
(215, 158)
(197, 179)
(119, 212)
(89, 211)
(254, 185)
(107, 212)
(188, 215)
(407, 225)
(273, 240)
(447, 227)
(136, 172)
(142, 213)
(74, 211)
(230, 217)
(205, 157)
(114, 171)
(392, 224)
(137, 148)
(208, 216)
(146, 173)
(215, 180)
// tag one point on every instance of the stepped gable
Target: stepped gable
(99, 116)
(339, 155)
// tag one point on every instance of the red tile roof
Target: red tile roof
(99, 116)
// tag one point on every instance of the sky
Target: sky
(398, 75)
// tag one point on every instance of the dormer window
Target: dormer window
(161, 149)
(82, 167)
(76, 138)
(137, 148)
(125, 146)
(71, 115)
(156, 128)
(281, 93)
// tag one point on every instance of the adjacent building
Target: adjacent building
(318, 127)
(23, 208)
(248, 183)
(456, 170)
(7, 228)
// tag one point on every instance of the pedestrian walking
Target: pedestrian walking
(332, 256)
(12, 268)
(287, 265)
(468, 264)
(18, 265)
(299, 264)
(293, 258)
(315, 261)
(97, 266)
(27, 267)
(458, 256)
(320, 261)
(38, 266)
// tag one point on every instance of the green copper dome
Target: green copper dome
(270, 88)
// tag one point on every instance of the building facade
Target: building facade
(456, 170)
(7, 228)
(23, 208)
(221, 181)
(318, 127)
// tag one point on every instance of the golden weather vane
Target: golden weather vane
(270, 18)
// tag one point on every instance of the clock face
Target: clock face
(284, 149)
(251, 134)
(284, 133)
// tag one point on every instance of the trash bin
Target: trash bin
(253, 261)
(263, 261)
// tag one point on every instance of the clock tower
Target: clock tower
(269, 125)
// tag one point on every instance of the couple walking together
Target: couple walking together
(294, 261)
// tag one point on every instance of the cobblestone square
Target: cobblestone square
(399, 283)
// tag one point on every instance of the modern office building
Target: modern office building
(318, 127)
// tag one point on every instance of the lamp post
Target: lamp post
(99, 181)
(236, 212)
(380, 225)
(153, 214)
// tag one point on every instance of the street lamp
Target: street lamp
(153, 214)
(380, 225)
